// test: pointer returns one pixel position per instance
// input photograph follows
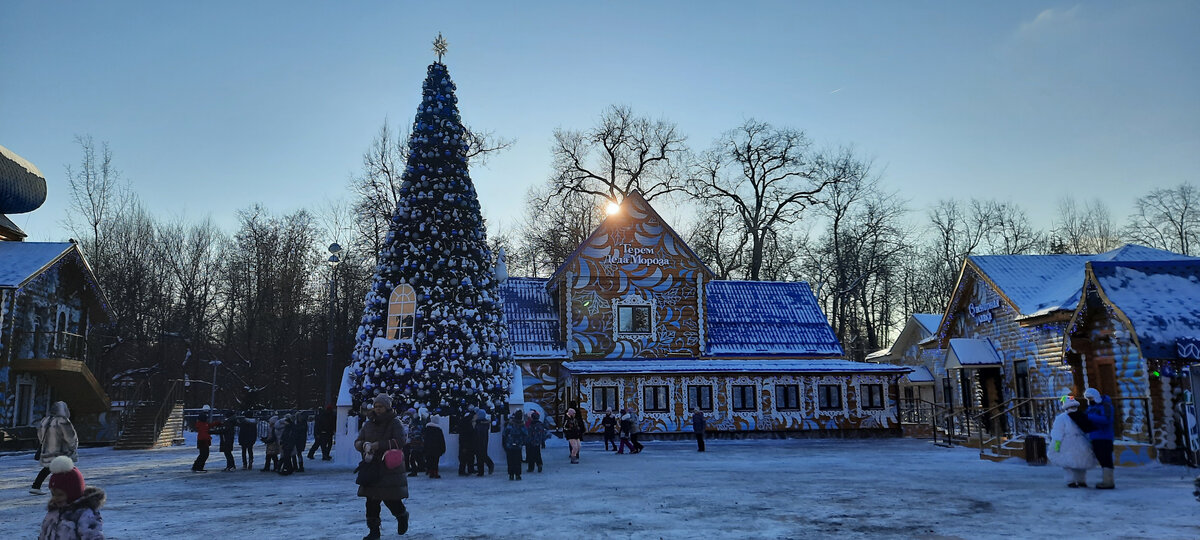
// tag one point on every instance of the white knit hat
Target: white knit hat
(1091, 394)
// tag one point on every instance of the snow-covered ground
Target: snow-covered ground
(738, 489)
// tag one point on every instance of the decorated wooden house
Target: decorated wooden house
(1001, 344)
(633, 319)
(906, 350)
(1131, 336)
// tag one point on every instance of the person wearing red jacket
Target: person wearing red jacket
(203, 441)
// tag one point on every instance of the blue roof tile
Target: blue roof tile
(532, 323)
(767, 318)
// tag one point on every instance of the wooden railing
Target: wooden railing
(1015, 418)
(948, 425)
(164, 410)
(54, 344)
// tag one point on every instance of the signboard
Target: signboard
(983, 310)
(635, 254)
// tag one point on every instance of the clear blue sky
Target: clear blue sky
(210, 107)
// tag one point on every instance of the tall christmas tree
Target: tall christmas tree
(432, 333)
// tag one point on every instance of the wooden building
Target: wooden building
(634, 319)
(1132, 334)
(1000, 344)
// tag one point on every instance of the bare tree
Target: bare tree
(553, 229)
(1012, 233)
(623, 153)
(97, 195)
(1167, 218)
(1082, 230)
(718, 238)
(769, 176)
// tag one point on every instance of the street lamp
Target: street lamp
(334, 248)
(213, 398)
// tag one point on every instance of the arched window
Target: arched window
(401, 308)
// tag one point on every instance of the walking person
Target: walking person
(698, 427)
(435, 446)
(326, 423)
(414, 450)
(285, 433)
(383, 431)
(610, 429)
(74, 508)
(626, 432)
(537, 439)
(466, 444)
(637, 430)
(514, 439)
(573, 431)
(227, 430)
(56, 437)
(299, 439)
(1100, 413)
(1069, 444)
(247, 433)
(268, 437)
(483, 428)
(203, 440)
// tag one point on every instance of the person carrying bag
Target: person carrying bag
(378, 483)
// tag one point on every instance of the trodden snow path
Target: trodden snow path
(879, 488)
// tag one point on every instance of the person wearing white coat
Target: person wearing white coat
(56, 437)
(1070, 447)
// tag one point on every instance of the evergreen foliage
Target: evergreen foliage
(457, 353)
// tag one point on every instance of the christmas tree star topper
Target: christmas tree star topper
(439, 46)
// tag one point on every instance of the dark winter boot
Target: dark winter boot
(373, 527)
(402, 523)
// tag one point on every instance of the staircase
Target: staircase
(153, 424)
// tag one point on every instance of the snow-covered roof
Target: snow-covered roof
(1043, 284)
(585, 367)
(20, 261)
(22, 186)
(928, 321)
(919, 374)
(756, 318)
(532, 322)
(881, 353)
(971, 353)
(1161, 300)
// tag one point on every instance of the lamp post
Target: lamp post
(213, 398)
(334, 248)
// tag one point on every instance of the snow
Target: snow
(797, 488)
(928, 321)
(21, 260)
(22, 162)
(753, 318)
(729, 366)
(1162, 300)
(1042, 284)
(971, 352)
(920, 374)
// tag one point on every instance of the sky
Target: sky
(212, 107)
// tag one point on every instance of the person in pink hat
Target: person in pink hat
(73, 512)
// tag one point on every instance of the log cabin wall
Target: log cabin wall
(1113, 365)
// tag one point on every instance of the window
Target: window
(402, 306)
(947, 393)
(604, 397)
(872, 396)
(700, 396)
(633, 319)
(787, 397)
(1021, 385)
(654, 398)
(909, 398)
(829, 396)
(743, 398)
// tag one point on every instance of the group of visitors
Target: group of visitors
(284, 439)
(625, 427)
(1081, 439)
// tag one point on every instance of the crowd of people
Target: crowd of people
(284, 439)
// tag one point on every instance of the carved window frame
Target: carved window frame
(633, 300)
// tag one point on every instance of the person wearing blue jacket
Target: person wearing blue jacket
(1100, 413)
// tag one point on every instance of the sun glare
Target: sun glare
(613, 208)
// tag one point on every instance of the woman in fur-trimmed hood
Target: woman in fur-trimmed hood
(73, 512)
(56, 437)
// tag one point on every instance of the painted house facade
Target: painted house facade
(1001, 342)
(1133, 333)
(49, 302)
(634, 319)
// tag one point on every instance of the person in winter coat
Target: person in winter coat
(466, 444)
(514, 439)
(483, 428)
(299, 440)
(325, 425)
(537, 437)
(637, 430)
(610, 429)
(272, 445)
(247, 432)
(74, 508)
(203, 441)
(698, 427)
(414, 450)
(1069, 444)
(573, 431)
(435, 446)
(285, 433)
(626, 432)
(56, 437)
(383, 431)
(227, 430)
(1100, 412)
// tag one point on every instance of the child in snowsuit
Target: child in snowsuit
(435, 446)
(1069, 444)
(74, 509)
(272, 442)
(537, 437)
(414, 449)
(247, 432)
